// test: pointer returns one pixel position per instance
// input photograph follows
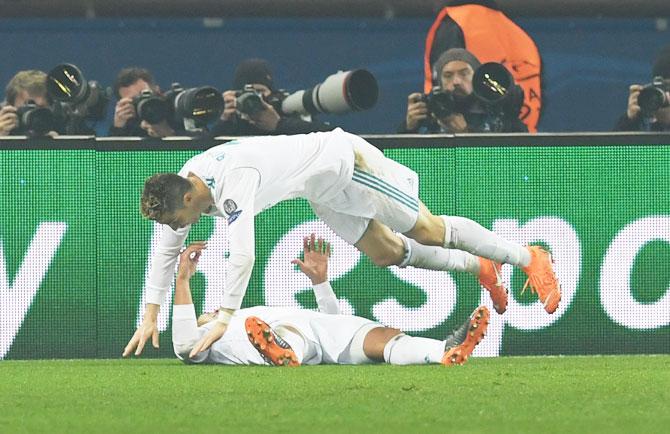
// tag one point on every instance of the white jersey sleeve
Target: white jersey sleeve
(163, 263)
(185, 333)
(236, 202)
(326, 299)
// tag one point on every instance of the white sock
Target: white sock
(465, 234)
(437, 258)
(410, 350)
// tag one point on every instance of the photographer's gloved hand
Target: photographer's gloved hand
(8, 120)
(162, 129)
(266, 119)
(454, 123)
(123, 112)
(230, 105)
(633, 108)
(417, 111)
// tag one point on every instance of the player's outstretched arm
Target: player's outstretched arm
(185, 331)
(188, 262)
(315, 266)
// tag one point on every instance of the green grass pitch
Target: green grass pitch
(611, 394)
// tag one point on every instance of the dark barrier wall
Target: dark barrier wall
(589, 63)
(74, 249)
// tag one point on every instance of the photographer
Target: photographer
(27, 100)
(129, 84)
(255, 75)
(649, 106)
(457, 109)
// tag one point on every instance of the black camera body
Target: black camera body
(441, 103)
(34, 120)
(654, 96)
(249, 100)
(194, 107)
(151, 107)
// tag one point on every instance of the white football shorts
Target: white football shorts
(380, 189)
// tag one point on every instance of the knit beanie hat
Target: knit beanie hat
(253, 71)
(454, 54)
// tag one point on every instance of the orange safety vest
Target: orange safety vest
(492, 37)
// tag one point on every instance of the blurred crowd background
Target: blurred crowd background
(591, 54)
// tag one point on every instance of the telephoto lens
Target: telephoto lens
(200, 104)
(340, 93)
(86, 99)
(492, 82)
(66, 83)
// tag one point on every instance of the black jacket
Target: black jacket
(638, 124)
(287, 125)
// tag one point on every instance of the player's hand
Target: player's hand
(417, 111)
(633, 110)
(148, 329)
(8, 120)
(315, 262)
(213, 335)
(123, 112)
(188, 259)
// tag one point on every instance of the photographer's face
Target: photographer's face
(457, 78)
(135, 89)
(263, 89)
(23, 97)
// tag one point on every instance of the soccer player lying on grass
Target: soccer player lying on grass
(265, 335)
(359, 193)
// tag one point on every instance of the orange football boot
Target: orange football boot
(272, 348)
(542, 279)
(462, 342)
(490, 278)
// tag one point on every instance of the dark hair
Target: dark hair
(129, 76)
(163, 194)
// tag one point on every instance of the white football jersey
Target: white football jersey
(249, 175)
(326, 336)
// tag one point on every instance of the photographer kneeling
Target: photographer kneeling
(455, 107)
(255, 107)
